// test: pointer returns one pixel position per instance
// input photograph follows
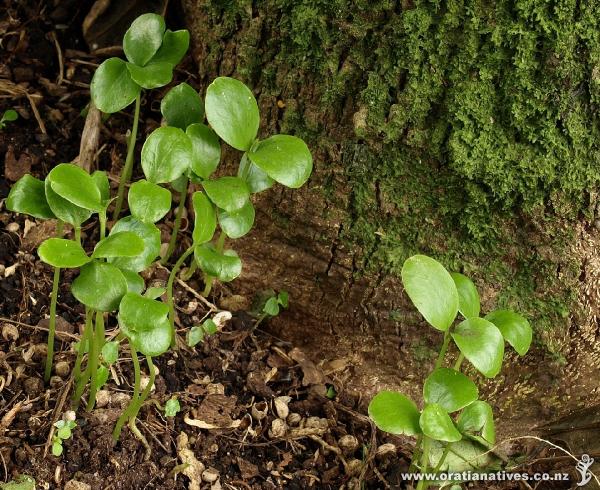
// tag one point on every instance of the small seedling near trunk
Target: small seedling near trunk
(452, 411)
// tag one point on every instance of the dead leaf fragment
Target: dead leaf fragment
(312, 374)
(193, 468)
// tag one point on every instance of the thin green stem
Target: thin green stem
(128, 168)
(416, 453)
(136, 393)
(442, 458)
(97, 340)
(52, 319)
(190, 271)
(459, 361)
(208, 280)
(78, 234)
(102, 218)
(170, 300)
(81, 349)
(443, 350)
(423, 484)
(176, 225)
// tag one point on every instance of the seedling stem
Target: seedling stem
(52, 320)
(176, 225)
(172, 276)
(208, 280)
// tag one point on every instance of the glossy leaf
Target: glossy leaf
(228, 193)
(431, 289)
(232, 112)
(173, 48)
(182, 106)
(9, 115)
(166, 155)
(112, 87)
(149, 234)
(206, 149)
(225, 267)
(155, 292)
(237, 223)
(205, 219)
(482, 344)
(468, 297)
(63, 209)
(120, 244)
(394, 413)
(283, 298)
(101, 180)
(437, 424)
(110, 352)
(75, 185)
(257, 179)
(450, 389)
(148, 202)
(99, 286)
(144, 321)
(143, 38)
(514, 328)
(135, 283)
(478, 418)
(153, 75)
(271, 307)
(59, 252)
(284, 158)
(27, 196)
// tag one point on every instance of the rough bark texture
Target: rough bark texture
(462, 129)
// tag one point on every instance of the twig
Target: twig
(61, 65)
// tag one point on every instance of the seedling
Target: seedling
(452, 411)
(9, 116)
(63, 432)
(22, 482)
(172, 407)
(196, 334)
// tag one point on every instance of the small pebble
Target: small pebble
(385, 449)
(10, 332)
(13, 227)
(33, 386)
(77, 485)
(294, 419)
(348, 444)
(210, 475)
(354, 467)
(278, 429)
(62, 368)
(281, 406)
(102, 398)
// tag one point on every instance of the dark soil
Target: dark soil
(238, 370)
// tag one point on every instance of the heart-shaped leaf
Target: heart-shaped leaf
(112, 87)
(143, 38)
(205, 220)
(173, 48)
(237, 223)
(450, 389)
(478, 417)
(225, 267)
(120, 244)
(27, 196)
(99, 286)
(182, 106)
(153, 75)
(135, 283)
(76, 186)
(101, 180)
(514, 328)
(284, 158)
(59, 252)
(394, 413)
(437, 424)
(149, 234)
(431, 289)
(482, 344)
(144, 322)
(228, 193)
(257, 179)
(196, 334)
(166, 155)
(155, 292)
(271, 307)
(468, 297)
(232, 112)
(206, 149)
(63, 209)
(148, 202)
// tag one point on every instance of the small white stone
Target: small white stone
(210, 475)
(278, 429)
(281, 406)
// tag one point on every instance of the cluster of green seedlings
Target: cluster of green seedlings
(185, 151)
(440, 296)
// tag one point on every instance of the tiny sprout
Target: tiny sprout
(63, 432)
(9, 116)
(172, 407)
(196, 334)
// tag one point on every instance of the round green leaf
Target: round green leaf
(394, 413)
(166, 155)
(64, 432)
(182, 106)
(431, 289)
(9, 116)
(205, 220)
(237, 223)
(468, 297)
(271, 307)
(99, 286)
(76, 186)
(63, 209)
(437, 424)
(450, 389)
(172, 407)
(112, 88)
(173, 48)
(206, 149)
(225, 267)
(148, 202)
(120, 244)
(284, 158)
(110, 352)
(135, 283)
(232, 112)
(514, 328)
(59, 252)
(149, 234)
(153, 75)
(57, 449)
(482, 344)
(144, 321)
(27, 196)
(143, 38)
(257, 179)
(101, 180)
(228, 193)
(478, 417)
